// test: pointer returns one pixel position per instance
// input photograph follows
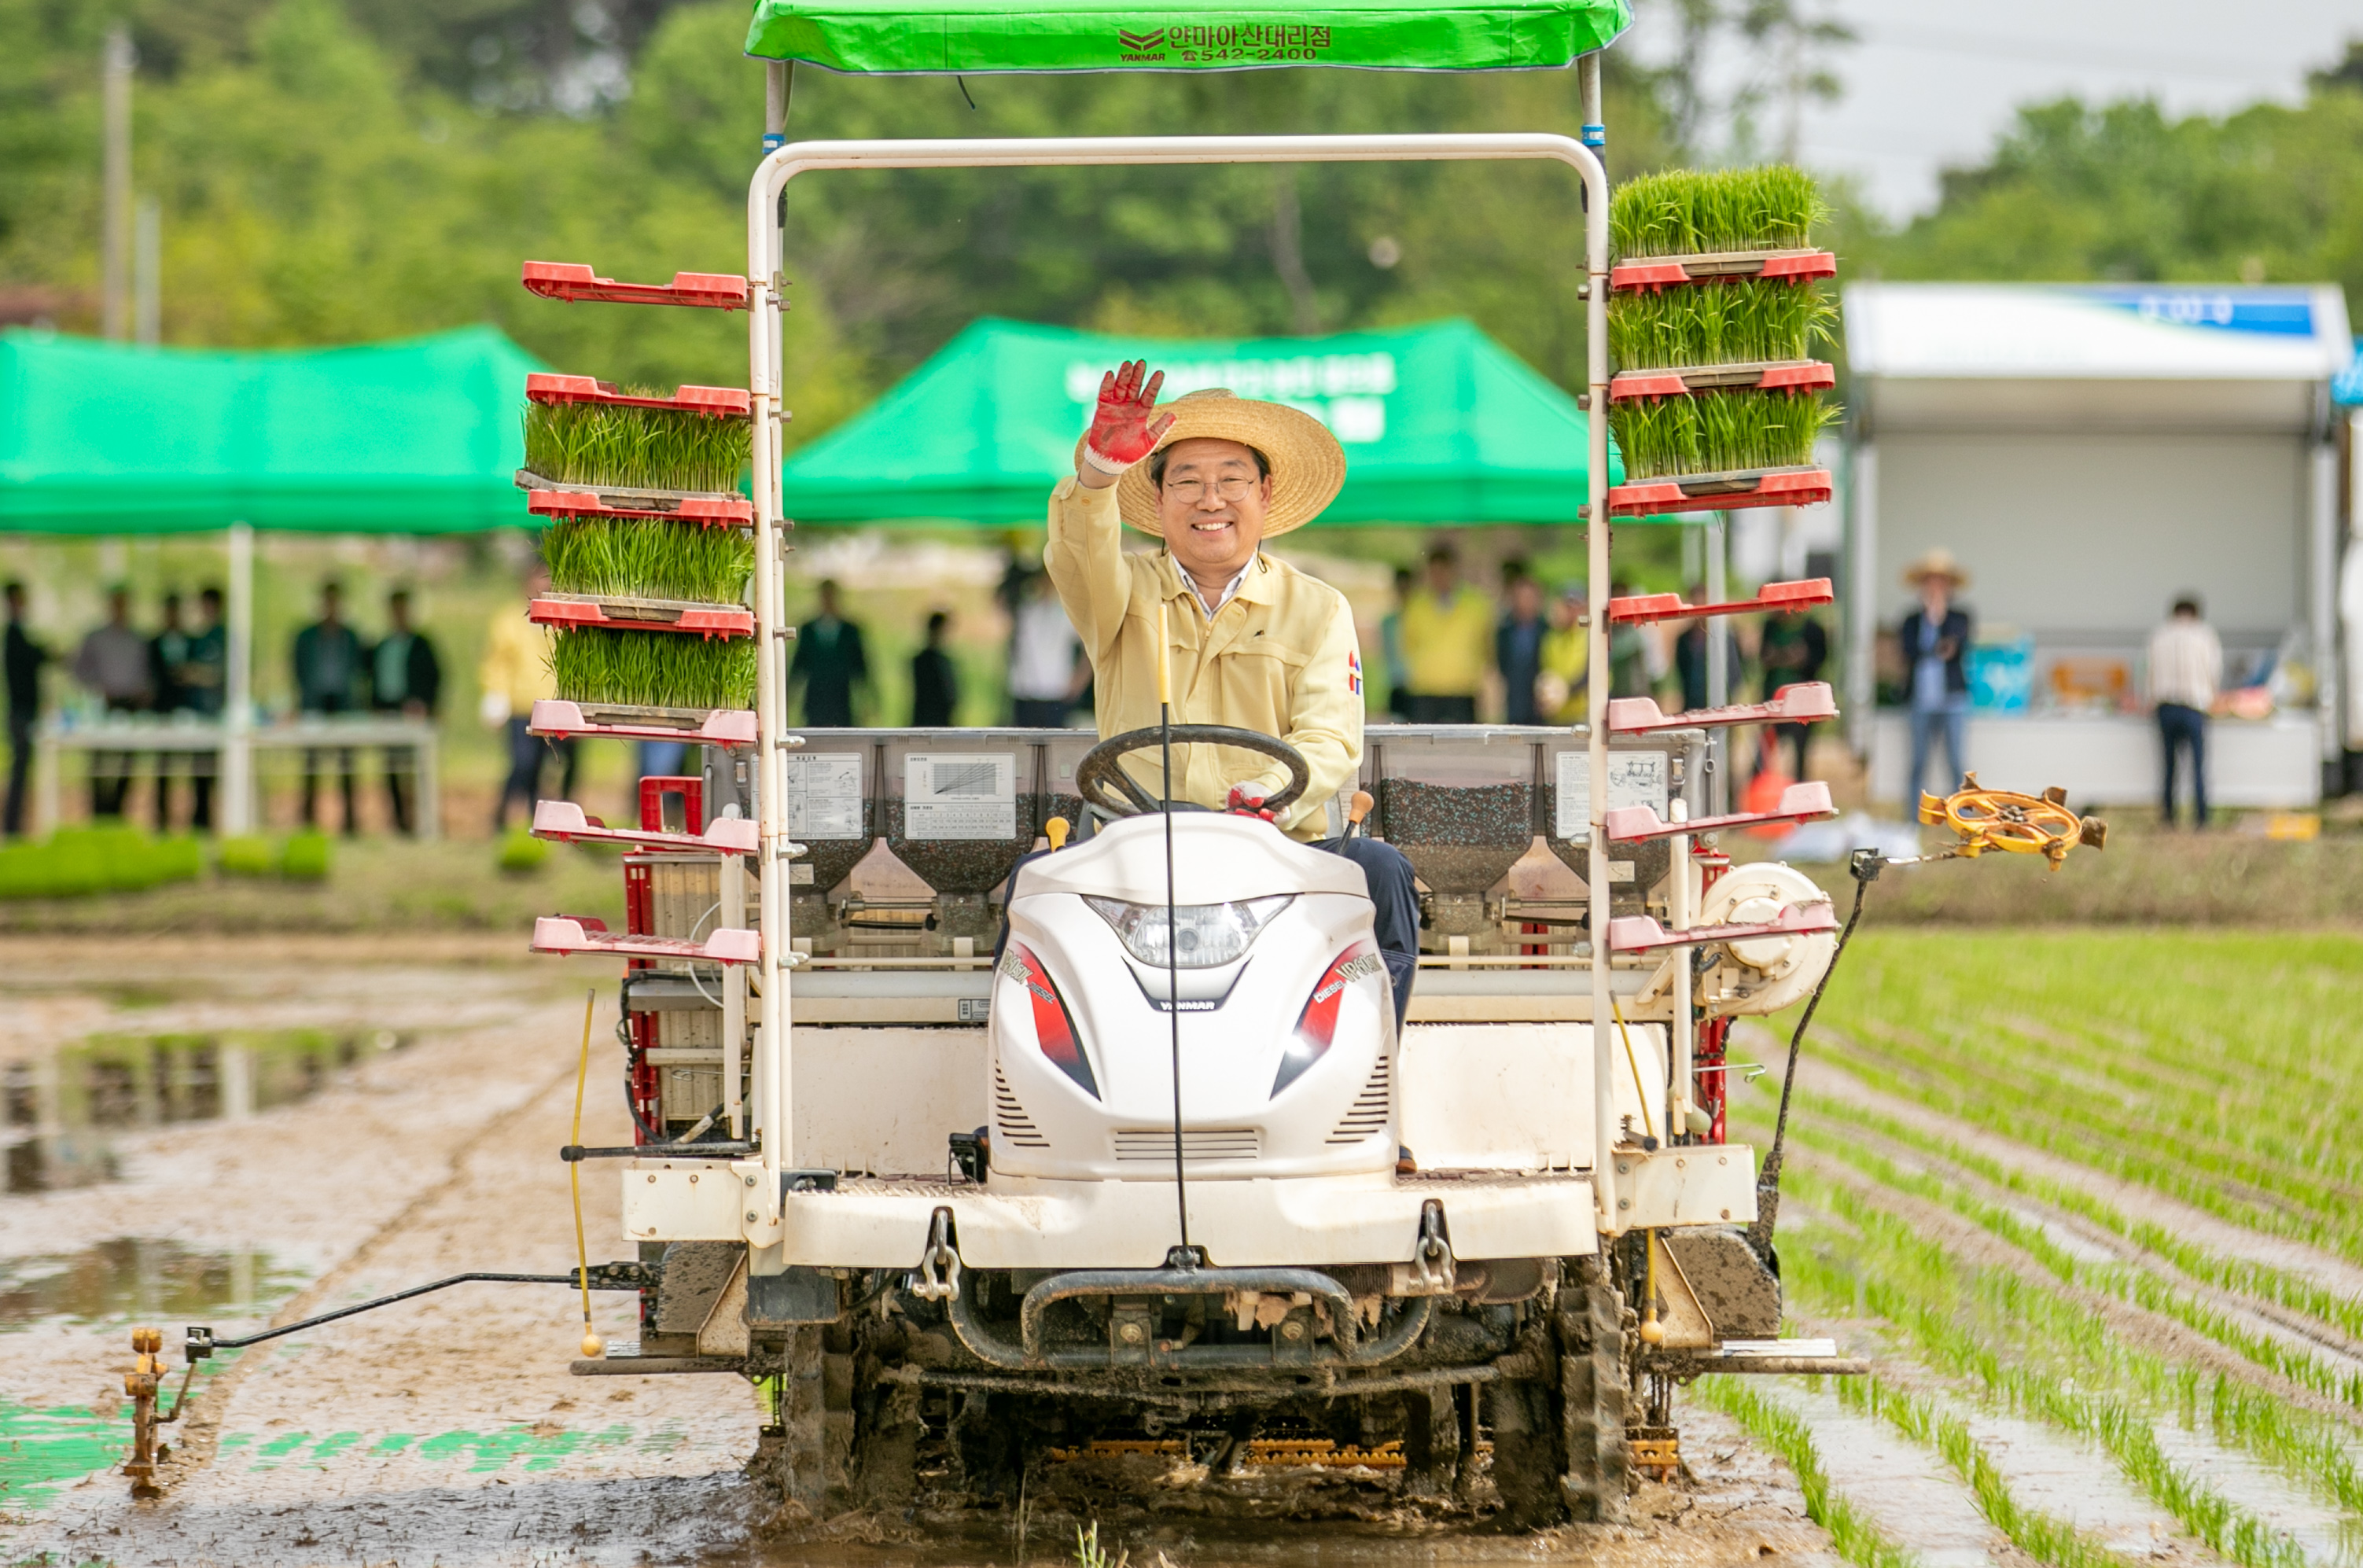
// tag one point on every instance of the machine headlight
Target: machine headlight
(1203, 935)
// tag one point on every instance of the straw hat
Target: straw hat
(1937, 562)
(1308, 466)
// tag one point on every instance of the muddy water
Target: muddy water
(140, 1278)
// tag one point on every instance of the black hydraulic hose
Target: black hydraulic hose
(1864, 867)
(202, 1343)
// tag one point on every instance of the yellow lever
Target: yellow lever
(1056, 831)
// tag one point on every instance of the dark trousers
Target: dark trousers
(528, 754)
(201, 766)
(2179, 727)
(400, 776)
(1040, 713)
(1427, 709)
(1800, 738)
(1394, 909)
(20, 768)
(110, 772)
(347, 782)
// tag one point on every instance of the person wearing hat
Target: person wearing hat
(1935, 637)
(1254, 643)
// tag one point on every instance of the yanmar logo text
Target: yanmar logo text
(1218, 43)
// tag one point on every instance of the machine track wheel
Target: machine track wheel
(796, 1451)
(1593, 1386)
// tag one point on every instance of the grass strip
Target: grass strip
(1710, 432)
(1918, 1287)
(649, 448)
(2044, 1537)
(641, 559)
(1779, 1428)
(653, 669)
(1689, 212)
(1737, 322)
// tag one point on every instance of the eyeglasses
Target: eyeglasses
(1190, 492)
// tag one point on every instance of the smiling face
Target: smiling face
(1210, 506)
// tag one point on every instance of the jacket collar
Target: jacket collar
(1261, 584)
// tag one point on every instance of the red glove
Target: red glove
(1122, 429)
(1246, 800)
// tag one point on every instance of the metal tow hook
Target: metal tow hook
(937, 1276)
(1432, 1262)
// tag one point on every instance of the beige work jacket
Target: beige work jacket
(1281, 659)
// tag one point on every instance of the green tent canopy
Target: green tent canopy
(1440, 425)
(421, 436)
(977, 36)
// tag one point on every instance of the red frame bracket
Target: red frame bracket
(1639, 609)
(1771, 375)
(1808, 702)
(726, 727)
(707, 511)
(577, 611)
(718, 401)
(1650, 274)
(1641, 933)
(563, 821)
(1721, 492)
(1804, 802)
(573, 281)
(566, 935)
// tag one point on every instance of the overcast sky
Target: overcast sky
(1933, 84)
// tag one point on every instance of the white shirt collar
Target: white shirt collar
(1230, 589)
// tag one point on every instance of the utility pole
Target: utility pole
(115, 263)
(147, 263)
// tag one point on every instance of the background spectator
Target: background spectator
(934, 680)
(1518, 645)
(113, 662)
(168, 663)
(1691, 659)
(1390, 648)
(1935, 637)
(327, 662)
(1629, 674)
(830, 663)
(1792, 651)
(2186, 667)
(404, 677)
(23, 658)
(1562, 691)
(204, 683)
(1447, 644)
(515, 675)
(1047, 671)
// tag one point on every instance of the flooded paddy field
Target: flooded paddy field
(2099, 1243)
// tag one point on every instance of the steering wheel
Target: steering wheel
(1098, 779)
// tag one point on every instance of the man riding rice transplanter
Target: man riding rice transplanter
(1254, 643)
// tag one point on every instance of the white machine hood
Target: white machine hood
(1218, 859)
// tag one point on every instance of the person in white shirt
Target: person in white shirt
(1048, 672)
(2185, 665)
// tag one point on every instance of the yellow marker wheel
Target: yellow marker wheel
(2002, 819)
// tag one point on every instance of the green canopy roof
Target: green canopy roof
(421, 436)
(977, 36)
(1440, 425)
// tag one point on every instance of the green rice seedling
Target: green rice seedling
(1691, 212)
(1857, 1540)
(1712, 432)
(653, 669)
(631, 558)
(306, 858)
(647, 449)
(1737, 322)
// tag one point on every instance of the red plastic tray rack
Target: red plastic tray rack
(566, 935)
(1639, 609)
(1721, 492)
(578, 610)
(709, 511)
(1640, 933)
(727, 727)
(572, 280)
(1654, 273)
(1803, 703)
(1688, 381)
(718, 401)
(564, 821)
(1799, 803)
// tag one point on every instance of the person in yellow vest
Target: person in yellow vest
(516, 673)
(1254, 643)
(1563, 693)
(1448, 640)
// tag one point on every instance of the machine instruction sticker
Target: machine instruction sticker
(824, 796)
(960, 795)
(1634, 778)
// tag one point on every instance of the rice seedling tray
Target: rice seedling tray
(1674, 271)
(1639, 609)
(718, 401)
(573, 281)
(1804, 802)
(565, 936)
(565, 822)
(725, 726)
(1641, 933)
(1804, 703)
(578, 610)
(713, 511)
(1778, 375)
(1728, 491)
